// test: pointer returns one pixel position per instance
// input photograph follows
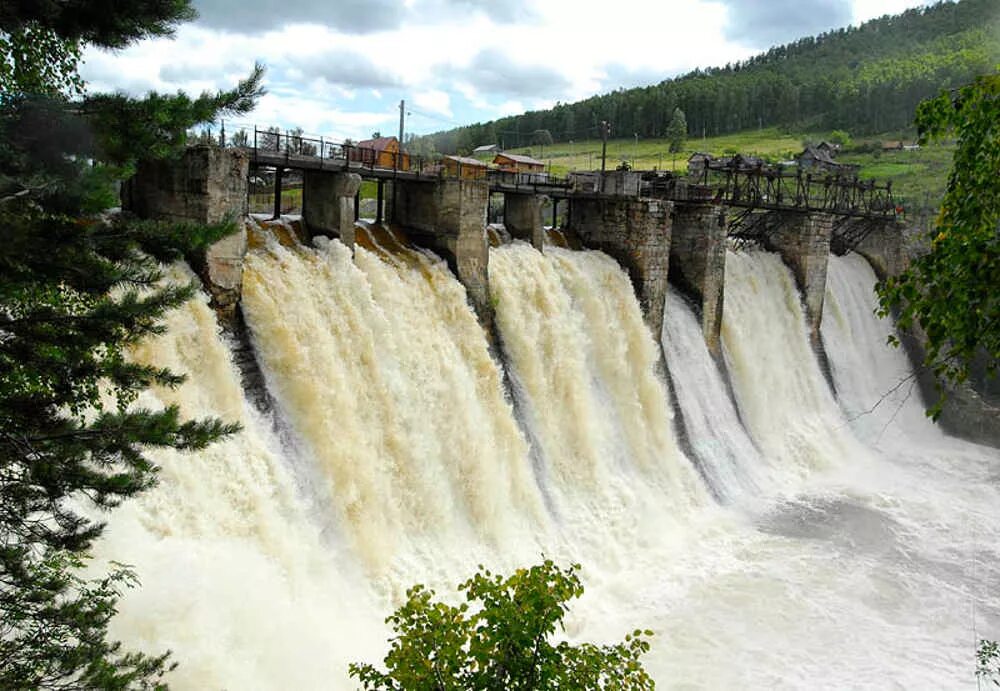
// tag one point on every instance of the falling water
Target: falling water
(782, 395)
(270, 560)
(237, 579)
(863, 570)
(728, 459)
(383, 371)
(875, 383)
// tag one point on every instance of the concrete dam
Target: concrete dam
(718, 433)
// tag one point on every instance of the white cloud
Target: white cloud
(456, 60)
(510, 108)
(434, 100)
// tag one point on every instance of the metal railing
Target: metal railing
(273, 146)
(289, 149)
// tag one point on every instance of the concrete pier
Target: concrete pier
(207, 185)
(636, 232)
(449, 217)
(803, 241)
(328, 204)
(698, 263)
(523, 218)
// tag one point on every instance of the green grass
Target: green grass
(918, 177)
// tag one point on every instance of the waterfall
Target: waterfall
(384, 373)
(583, 362)
(731, 464)
(399, 451)
(875, 382)
(784, 400)
(236, 579)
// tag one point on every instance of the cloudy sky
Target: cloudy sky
(340, 67)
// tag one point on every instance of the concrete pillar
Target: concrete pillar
(449, 217)
(279, 174)
(328, 203)
(205, 185)
(523, 218)
(803, 241)
(883, 248)
(636, 232)
(379, 201)
(698, 263)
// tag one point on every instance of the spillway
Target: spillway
(238, 579)
(728, 458)
(583, 364)
(786, 404)
(804, 544)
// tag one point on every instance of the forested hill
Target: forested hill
(863, 79)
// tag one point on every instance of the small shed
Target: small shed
(829, 147)
(381, 152)
(464, 167)
(815, 158)
(698, 162)
(516, 163)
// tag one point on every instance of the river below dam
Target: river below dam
(774, 531)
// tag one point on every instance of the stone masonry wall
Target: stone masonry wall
(884, 250)
(803, 242)
(698, 262)
(449, 216)
(205, 185)
(636, 232)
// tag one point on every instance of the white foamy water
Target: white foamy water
(584, 364)
(868, 571)
(271, 567)
(384, 373)
(237, 579)
(728, 459)
(784, 400)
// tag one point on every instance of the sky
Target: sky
(339, 68)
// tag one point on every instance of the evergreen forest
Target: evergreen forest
(864, 79)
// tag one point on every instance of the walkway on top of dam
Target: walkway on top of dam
(304, 153)
(751, 188)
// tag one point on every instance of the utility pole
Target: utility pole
(605, 131)
(402, 112)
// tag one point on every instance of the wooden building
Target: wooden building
(381, 152)
(515, 163)
(464, 167)
(698, 162)
(816, 159)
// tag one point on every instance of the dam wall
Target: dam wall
(449, 217)
(636, 232)
(205, 185)
(698, 263)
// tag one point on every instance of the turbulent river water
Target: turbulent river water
(808, 533)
